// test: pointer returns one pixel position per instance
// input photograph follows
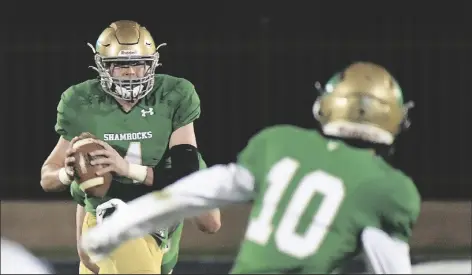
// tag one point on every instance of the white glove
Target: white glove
(104, 207)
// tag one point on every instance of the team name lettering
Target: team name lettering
(127, 136)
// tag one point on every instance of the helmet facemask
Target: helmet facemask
(129, 88)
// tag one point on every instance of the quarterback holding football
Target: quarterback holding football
(141, 124)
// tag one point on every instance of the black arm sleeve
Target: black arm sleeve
(184, 160)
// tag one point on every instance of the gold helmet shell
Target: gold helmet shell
(365, 102)
(126, 42)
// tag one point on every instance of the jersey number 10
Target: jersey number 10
(287, 240)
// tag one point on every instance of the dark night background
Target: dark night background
(253, 66)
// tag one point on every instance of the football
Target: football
(85, 175)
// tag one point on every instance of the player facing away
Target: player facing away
(144, 121)
(318, 199)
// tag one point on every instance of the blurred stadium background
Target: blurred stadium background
(252, 67)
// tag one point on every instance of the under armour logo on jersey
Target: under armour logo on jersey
(150, 112)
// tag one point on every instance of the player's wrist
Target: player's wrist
(137, 172)
(64, 177)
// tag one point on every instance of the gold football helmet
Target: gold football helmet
(364, 102)
(126, 44)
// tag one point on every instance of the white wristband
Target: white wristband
(137, 172)
(63, 177)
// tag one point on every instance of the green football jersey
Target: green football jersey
(313, 197)
(141, 136)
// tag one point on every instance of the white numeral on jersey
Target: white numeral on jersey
(286, 238)
(133, 155)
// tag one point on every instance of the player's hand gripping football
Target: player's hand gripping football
(69, 161)
(110, 159)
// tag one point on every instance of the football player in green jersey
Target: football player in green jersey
(318, 198)
(142, 119)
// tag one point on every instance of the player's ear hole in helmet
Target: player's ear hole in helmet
(126, 58)
(363, 103)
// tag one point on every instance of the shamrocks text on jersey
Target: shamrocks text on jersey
(141, 136)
